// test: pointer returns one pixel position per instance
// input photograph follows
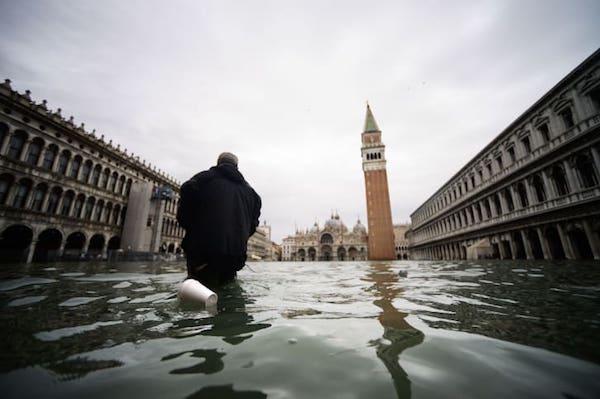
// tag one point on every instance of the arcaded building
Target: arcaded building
(379, 211)
(333, 242)
(66, 192)
(401, 241)
(533, 192)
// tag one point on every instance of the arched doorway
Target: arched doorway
(301, 255)
(536, 245)
(553, 239)
(312, 254)
(96, 245)
(74, 245)
(519, 246)
(326, 253)
(580, 243)
(114, 243)
(14, 242)
(326, 239)
(48, 246)
(405, 257)
(341, 254)
(352, 253)
(171, 248)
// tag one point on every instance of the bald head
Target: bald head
(227, 157)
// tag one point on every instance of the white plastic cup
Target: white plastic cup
(193, 291)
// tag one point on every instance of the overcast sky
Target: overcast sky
(283, 85)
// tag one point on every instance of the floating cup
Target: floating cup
(192, 291)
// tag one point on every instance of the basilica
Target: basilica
(332, 242)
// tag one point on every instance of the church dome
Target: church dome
(335, 223)
(359, 228)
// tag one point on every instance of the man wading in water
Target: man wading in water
(219, 212)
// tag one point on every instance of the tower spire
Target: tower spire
(370, 124)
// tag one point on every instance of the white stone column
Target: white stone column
(24, 150)
(596, 158)
(501, 248)
(45, 200)
(566, 243)
(516, 198)
(513, 246)
(31, 250)
(475, 214)
(544, 242)
(527, 245)
(4, 146)
(530, 195)
(550, 191)
(29, 198)
(593, 238)
(40, 160)
(571, 177)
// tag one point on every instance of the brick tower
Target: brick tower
(379, 212)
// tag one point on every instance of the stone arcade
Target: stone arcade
(533, 192)
(66, 193)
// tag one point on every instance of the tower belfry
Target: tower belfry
(379, 212)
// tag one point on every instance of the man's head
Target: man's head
(227, 157)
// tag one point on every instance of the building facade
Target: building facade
(531, 193)
(332, 242)
(379, 211)
(401, 241)
(66, 193)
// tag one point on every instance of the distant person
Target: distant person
(219, 211)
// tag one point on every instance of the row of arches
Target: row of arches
(171, 227)
(327, 253)
(40, 197)
(170, 248)
(18, 243)
(561, 179)
(19, 146)
(578, 239)
(540, 130)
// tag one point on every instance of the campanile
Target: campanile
(379, 212)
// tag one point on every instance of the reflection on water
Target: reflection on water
(397, 333)
(303, 330)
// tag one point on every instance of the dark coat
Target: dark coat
(219, 212)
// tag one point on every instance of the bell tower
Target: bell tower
(379, 212)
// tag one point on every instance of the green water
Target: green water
(303, 330)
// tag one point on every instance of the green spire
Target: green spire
(370, 124)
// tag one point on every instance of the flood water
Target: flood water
(303, 330)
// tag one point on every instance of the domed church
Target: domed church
(332, 242)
